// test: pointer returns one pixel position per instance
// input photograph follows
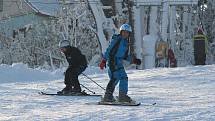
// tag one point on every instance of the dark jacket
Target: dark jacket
(74, 57)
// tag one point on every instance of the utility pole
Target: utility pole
(130, 4)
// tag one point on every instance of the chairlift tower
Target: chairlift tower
(167, 16)
(165, 10)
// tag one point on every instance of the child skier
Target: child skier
(114, 55)
(77, 64)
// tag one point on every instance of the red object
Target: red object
(136, 61)
(102, 65)
(172, 59)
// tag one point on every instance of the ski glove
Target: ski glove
(136, 61)
(102, 65)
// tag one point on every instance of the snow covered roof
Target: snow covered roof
(47, 7)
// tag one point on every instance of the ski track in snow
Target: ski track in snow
(180, 94)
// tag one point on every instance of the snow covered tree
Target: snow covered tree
(39, 46)
(77, 24)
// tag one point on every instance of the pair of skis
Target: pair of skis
(72, 94)
(133, 103)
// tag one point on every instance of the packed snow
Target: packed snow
(180, 94)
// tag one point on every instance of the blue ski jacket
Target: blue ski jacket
(116, 52)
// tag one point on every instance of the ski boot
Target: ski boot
(124, 98)
(76, 91)
(67, 90)
(108, 98)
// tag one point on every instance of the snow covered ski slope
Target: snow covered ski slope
(181, 94)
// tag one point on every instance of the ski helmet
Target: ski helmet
(64, 43)
(125, 27)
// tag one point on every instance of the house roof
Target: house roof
(46, 7)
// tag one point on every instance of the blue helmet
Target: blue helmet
(125, 27)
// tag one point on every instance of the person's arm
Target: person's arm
(108, 52)
(112, 48)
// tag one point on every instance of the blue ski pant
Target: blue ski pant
(118, 76)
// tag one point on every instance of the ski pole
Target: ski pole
(87, 89)
(93, 81)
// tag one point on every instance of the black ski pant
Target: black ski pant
(71, 78)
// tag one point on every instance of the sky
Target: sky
(180, 94)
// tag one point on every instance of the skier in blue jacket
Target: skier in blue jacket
(114, 55)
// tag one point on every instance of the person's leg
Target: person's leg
(74, 77)
(77, 87)
(67, 82)
(108, 97)
(123, 86)
(67, 79)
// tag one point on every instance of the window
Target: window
(1, 5)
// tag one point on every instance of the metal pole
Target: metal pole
(87, 89)
(93, 81)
